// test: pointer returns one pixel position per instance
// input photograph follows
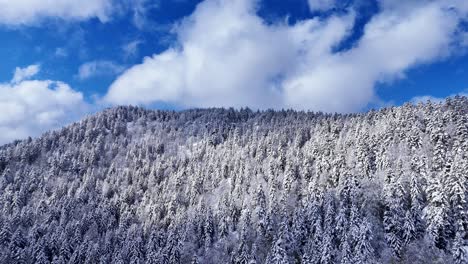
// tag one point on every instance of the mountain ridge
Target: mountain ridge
(130, 185)
(229, 110)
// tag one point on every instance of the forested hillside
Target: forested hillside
(130, 185)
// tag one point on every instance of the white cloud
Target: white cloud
(23, 12)
(31, 107)
(226, 55)
(425, 98)
(99, 68)
(25, 73)
(131, 49)
(321, 5)
(391, 44)
(140, 9)
(61, 52)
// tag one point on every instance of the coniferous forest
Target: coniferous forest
(130, 185)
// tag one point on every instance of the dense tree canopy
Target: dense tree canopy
(130, 185)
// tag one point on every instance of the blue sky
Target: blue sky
(64, 59)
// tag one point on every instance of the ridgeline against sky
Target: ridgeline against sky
(130, 185)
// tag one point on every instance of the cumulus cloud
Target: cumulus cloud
(226, 55)
(23, 12)
(31, 107)
(99, 68)
(392, 43)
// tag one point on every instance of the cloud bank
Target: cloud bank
(31, 107)
(226, 55)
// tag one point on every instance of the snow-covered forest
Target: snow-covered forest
(130, 185)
